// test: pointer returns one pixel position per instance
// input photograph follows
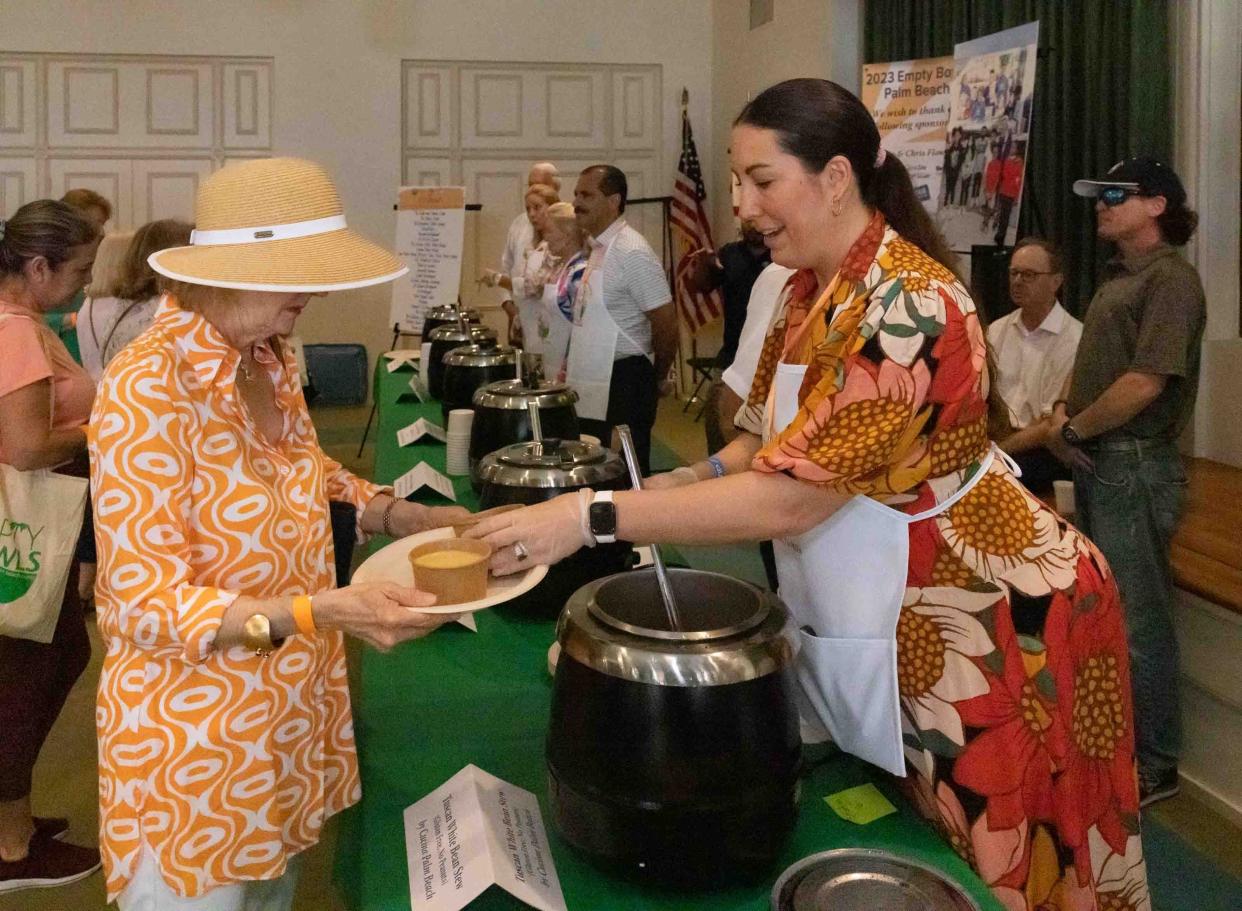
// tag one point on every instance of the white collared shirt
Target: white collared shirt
(1032, 364)
(765, 295)
(634, 285)
(518, 245)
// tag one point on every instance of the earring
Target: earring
(836, 207)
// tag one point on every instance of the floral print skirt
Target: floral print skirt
(1019, 722)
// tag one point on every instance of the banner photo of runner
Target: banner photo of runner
(985, 152)
(909, 101)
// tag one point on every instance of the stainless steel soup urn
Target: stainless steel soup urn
(674, 754)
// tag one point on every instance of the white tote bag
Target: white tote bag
(40, 520)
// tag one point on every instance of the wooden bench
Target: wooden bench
(1207, 549)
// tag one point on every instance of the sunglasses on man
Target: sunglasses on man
(1115, 196)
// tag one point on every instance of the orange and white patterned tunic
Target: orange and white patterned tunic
(222, 763)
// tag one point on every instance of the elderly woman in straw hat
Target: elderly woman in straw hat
(225, 735)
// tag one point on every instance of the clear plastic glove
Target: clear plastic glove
(678, 477)
(549, 532)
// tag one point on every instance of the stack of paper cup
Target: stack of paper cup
(457, 441)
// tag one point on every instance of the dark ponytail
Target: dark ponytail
(45, 227)
(816, 120)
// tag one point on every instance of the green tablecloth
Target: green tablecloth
(429, 707)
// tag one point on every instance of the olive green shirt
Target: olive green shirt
(1147, 317)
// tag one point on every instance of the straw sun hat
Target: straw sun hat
(274, 224)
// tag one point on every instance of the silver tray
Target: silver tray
(865, 879)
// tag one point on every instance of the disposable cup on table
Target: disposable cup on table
(459, 420)
(1063, 491)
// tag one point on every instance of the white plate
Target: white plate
(392, 564)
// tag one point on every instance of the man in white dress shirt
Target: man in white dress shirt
(1034, 349)
(521, 236)
(637, 297)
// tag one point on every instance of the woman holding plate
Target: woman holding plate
(225, 733)
(952, 629)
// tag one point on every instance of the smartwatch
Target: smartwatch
(602, 517)
(1070, 435)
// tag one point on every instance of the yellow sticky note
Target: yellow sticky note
(860, 805)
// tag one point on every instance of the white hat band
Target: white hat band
(263, 234)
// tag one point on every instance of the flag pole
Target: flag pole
(682, 384)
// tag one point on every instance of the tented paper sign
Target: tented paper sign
(473, 832)
(909, 101)
(431, 224)
(422, 427)
(423, 475)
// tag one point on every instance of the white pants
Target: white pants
(147, 891)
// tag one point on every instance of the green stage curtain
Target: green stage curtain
(1103, 91)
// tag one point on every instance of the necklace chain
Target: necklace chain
(245, 369)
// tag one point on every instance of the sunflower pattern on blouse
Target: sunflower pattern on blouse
(223, 763)
(1013, 668)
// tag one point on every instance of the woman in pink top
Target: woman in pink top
(46, 254)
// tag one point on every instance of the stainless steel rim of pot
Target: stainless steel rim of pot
(478, 356)
(628, 591)
(511, 395)
(577, 464)
(859, 868)
(686, 662)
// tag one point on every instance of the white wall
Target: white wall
(816, 38)
(338, 74)
(1208, 72)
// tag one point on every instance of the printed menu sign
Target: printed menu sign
(473, 832)
(431, 223)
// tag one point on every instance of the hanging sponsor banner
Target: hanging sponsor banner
(985, 152)
(431, 223)
(909, 101)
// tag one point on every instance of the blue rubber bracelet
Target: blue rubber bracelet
(717, 466)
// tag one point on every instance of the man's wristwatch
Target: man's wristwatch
(1070, 435)
(602, 517)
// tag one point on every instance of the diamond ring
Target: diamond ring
(520, 551)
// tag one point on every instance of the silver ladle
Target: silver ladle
(636, 481)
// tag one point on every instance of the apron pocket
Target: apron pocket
(852, 686)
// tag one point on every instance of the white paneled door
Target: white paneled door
(142, 131)
(481, 125)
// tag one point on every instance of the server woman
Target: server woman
(953, 629)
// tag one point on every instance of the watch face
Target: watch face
(603, 518)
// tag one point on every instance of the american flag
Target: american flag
(692, 231)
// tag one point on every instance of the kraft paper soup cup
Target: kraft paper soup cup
(452, 569)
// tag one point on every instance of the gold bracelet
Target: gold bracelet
(257, 635)
(303, 617)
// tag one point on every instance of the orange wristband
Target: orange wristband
(302, 615)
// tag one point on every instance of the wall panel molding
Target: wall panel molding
(95, 109)
(480, 124)
(142, 130)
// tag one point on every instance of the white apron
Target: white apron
(592, 342)
(844, 581)
(554, 332)
(528, 307)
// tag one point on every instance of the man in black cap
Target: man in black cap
(1129, 396)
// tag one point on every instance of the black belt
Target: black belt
(1128, 444)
